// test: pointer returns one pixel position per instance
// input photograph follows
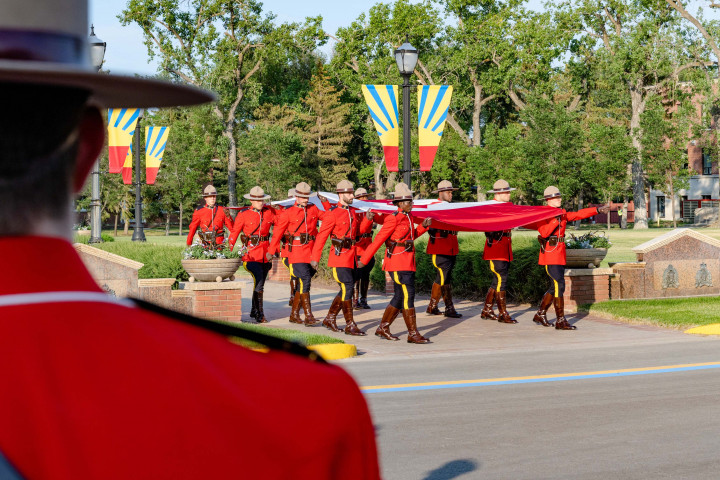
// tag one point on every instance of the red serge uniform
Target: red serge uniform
(398, 227)
(297, 222)
(442, 242)
(340, 224)
(364, 238)
(255, 225)
(207, 219)
(119, 392)
(553, 231)
(498, 246)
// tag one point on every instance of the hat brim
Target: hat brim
(401, 199)
(444, 190)
(251, 198)
(306, 195)
(112, 91)
(559, 195)
(502, 191)
(209, 195)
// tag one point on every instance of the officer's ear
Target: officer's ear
(91, 137)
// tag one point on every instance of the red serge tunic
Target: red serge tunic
(498, 249)
(442, 242)
(206, 218)
(254, 222)
(556, 226)
(284, 249)
(339, 222)
(364, 238)
(295, 221)
(95, 387)
(396, 227)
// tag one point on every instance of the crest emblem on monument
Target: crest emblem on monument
(670, 278)
(703, 277)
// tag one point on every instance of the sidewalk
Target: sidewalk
(450, 336)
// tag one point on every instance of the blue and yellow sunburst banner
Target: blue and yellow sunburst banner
(433, 103)
(121, 127)
(155, 141)
(382, 101)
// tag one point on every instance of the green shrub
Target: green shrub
(161, 261)
(106, 237)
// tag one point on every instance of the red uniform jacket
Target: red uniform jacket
(253, 222)
(340, 223)
(296, 221)
(205, 218)
(118, 392)
(498, 246)
(442, 242)
(555, 255)
(284, 249)
(398, 226)
(365, 237)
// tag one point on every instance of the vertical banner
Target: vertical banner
(433, 103)
(155, 141)
(382, 101)
(121, 126)
(127, 166)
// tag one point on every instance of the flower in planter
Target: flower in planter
(198, 251)
(589, 240)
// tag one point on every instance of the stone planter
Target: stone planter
(212, 270)
(584, 257)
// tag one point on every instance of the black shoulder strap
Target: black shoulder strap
(269, 341)
(7, 471)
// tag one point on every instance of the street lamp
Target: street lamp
(97, 54)
(406, 57)
(138, 232)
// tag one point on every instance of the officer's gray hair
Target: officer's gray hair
(37, 159)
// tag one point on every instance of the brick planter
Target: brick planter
(278, 273)
(586, 285)
(214, 301)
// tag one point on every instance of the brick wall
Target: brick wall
(584, 286)
(278, 273)
(214, 301)
(389, 285)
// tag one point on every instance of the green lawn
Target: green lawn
(293, 335)
(680, 313)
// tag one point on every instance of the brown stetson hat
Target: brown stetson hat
(345, 186)
(361, 192)
(444, 186)
(501, 186)
(256, 193)
(551, 192)
(402, 192)
(209, 191)
(302, 189)
(45, 42)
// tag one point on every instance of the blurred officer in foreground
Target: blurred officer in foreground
(98, 387)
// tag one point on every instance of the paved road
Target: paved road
(637, 424)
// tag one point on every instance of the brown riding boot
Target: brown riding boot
(260, 316)
(351, 327)
(293, 288)
(540, 317)
(305, 301)
(449, 307)
(561, 322)
(487, 312)
(435, 294)
(383, 331)
(329, 321)
(295, 310)
(356, 295)
(411, 324)
(503, 315)
(253, 309)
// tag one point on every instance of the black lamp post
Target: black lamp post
(97, 54)
(406, 57)
(138, 232)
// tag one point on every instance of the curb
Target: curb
(334, 351)
(712, 329)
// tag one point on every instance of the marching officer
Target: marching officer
(498, 252)
(284, 251)
(552, 255)
(252, 225)
(398, 233)
(298, 225)
(342, 224)
(443, 248)
(364, 239)
(211, 220)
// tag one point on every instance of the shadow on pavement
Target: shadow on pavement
(452, 469)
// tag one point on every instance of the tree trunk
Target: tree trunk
(116, 221)
(638, 178)
(180, 225)
(377, 170)
(609, 224)
(167, 224)
(481, 194)
(477, 108)
(580, 207)
(623, 220)
(126, 228)
(672, 202)
(229, 133)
